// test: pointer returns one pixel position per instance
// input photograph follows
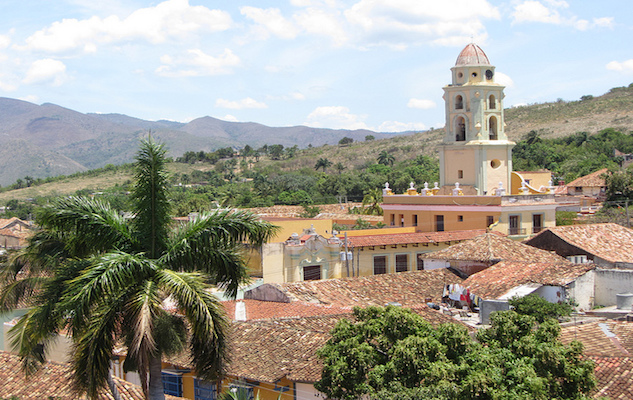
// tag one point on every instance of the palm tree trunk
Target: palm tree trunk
(155, 379)
(113, 389)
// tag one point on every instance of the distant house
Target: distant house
(553, 281)
(481, 252)
(610, 345)
(52, 381)
(592, 185)
(13, 233)
(608, 245)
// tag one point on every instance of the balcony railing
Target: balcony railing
(537, 229)
(516, 231)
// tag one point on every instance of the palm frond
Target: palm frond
(222, 262)
(93, 346)
(140, 315)
(206, 317)
(20, 293)
(85, 226)
(214, 242)
(104, 276)
(151, 204)
(227, 225)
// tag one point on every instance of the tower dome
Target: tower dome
(472, 55)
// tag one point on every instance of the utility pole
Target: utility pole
(347, 257)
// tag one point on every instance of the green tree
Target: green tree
(369, 138)
(539, 308)
(345, 141)
(393, 353)
(619, 184)
(386, 158)
(322, 163)
(276, 151)
(103, 278)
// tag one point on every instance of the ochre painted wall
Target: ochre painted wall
(427, 219)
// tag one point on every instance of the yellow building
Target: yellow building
(478, 189)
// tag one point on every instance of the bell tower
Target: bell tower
(475, 151)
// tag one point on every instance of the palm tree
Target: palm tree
(339, 167)
(106, 280)
(371, 202)
(385, 158)
(322, 163)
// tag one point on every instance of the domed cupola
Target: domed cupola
(472, 55)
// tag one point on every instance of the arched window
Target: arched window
(460, 129)
(492, 104)
(459, 102)
(493, 128)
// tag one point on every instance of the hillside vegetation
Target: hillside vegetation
(274, 174)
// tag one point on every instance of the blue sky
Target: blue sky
(375, 64)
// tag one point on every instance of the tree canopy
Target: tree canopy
(393, 353)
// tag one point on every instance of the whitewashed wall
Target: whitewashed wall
(610, 282)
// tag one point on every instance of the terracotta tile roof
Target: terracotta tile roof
(595, 179)
(615, 377)
(13, 222)
(270, 349)
(602, 338)
(256, 309)
(610, 345)
(497, 280)
(407, 288)
(327, 211)
(490, 247)
(609, 241)
(412, 238)
(53, 380)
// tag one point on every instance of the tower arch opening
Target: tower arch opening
(459, 102)
(460, 129)
(492, 103)
(492, 128)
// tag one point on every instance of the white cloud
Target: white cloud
(604, 22)
(240, 104)
(548, 13)
(535, 11)
(335, 117)
(30, 98)
(422, 104)
(395, 126)
(171, 18)
(198, 63)
(288, 97)
(230, 118)
(270, 21)
(320, 22)
(4, 41)
(504, 80)
(46, 71)
(403, 22)
(624, 66)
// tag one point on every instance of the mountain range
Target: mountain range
(48, 140)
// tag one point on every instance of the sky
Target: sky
(343, 64)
